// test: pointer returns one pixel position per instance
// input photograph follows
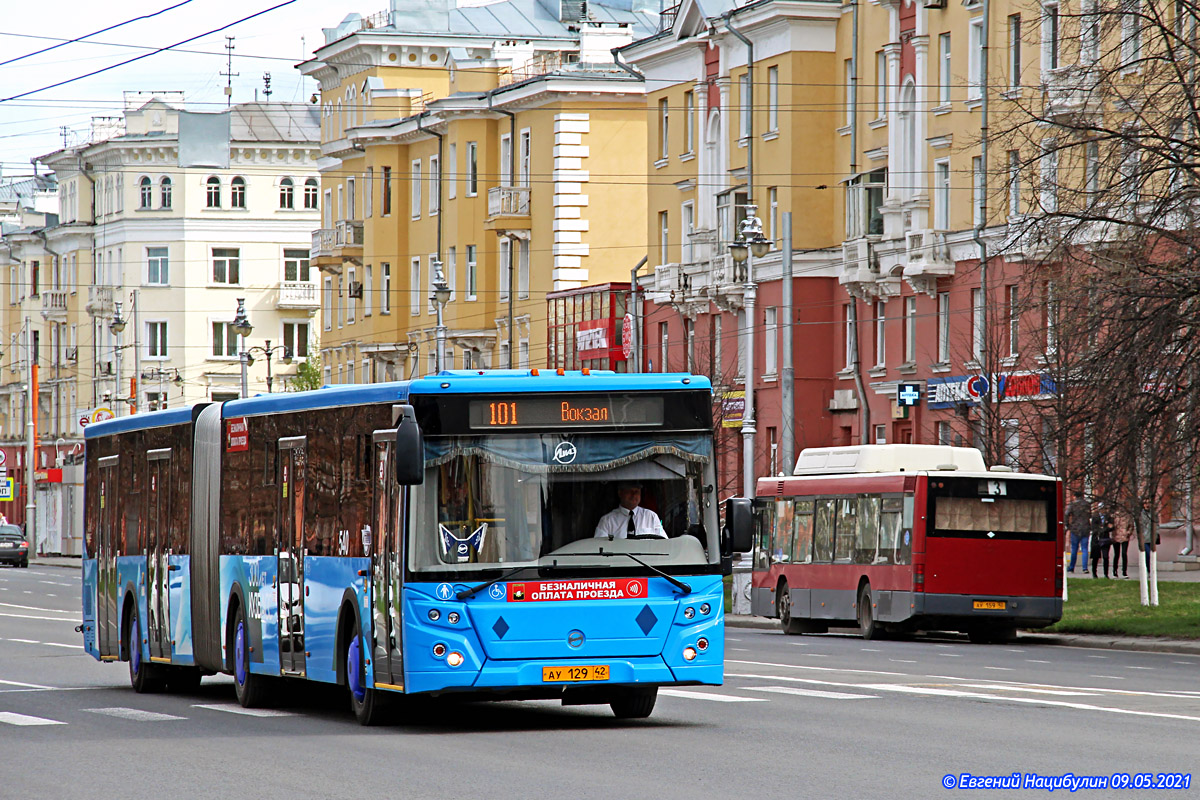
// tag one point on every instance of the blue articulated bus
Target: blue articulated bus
(424, 537)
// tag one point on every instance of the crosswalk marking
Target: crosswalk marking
(234, 708)
(716, 698)
(134, 714)
(813, 693)
(13, 718)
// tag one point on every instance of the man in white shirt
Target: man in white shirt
(629, 518)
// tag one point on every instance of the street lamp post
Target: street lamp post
(243, 328)
(440, 296)
(116, 326)
(750, 244)
(268, 352)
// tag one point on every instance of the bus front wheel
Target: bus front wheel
(783, 602)
(250, 689)
(635, 703)
(143, 677)
(367, 703)
(867, 625)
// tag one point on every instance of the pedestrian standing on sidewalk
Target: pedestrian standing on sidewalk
(1102, 531)
(1079, 517)
(1123, 531)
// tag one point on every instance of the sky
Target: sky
(273, 42)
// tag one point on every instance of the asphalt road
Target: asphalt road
(813, 716)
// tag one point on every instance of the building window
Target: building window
(164, 192)
(881, 84)
(339, 296)
(145, 193)
(472, 169)
(522, 269)
(504, 266)
(664, 120)
(327, 304)
(351, 198)
(414, 287)
(415, 185)
(910, 329)
(745, 122)
(224, 340)
(472, 273)
(156, 401)
(772, 99)
(213, 193)
(295, 339)
(664, 343)
(525, 154)
(1091, 167)
(686, 229)
(846, 335)
(1013, 312)
(941, 195)
(1131, 32)
(977, 191)
(945, 73)
(523, 354)
(435, 184)
(1014, 183)
(1014, 52)
(385, 191)
(237, 192)
(452, 186)
(689, 122)
(975, 60)
(351, 292)
(880, 334)
(156, 266)
(945, 434)
(368, 289)
(156, 339)
(881, 434)
(1089, 30)
(296, 265)
(287, 194)
(310, 194)
(1050, 36)
(1012, 442)
(225, 265)
(771, 341)
(977, 324)
(385, 289)
(452, 271)
(943, 327)
(848, 72)
(1049, 169)
(664, 238)
(369, 194)
(773, 213)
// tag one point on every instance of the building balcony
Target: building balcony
(508, 208)
(1071, 91)
(100, 301)
(54, 304)
(297, 295)
(928, 259)
(331, 246)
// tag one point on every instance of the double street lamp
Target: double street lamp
(749, 244)
(243, 328)
(267, 352)
(440, 296)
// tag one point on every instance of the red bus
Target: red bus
(898, 538)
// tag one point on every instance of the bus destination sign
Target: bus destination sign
(557, 411)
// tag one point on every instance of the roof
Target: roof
(18, 190)
(888, 458)
(275, 122)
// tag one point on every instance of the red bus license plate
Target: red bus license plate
(990, 605)
(591, 672)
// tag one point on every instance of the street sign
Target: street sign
(6, 488)
(3, 472)
(3, 457)
(908, 394)
(627, 336)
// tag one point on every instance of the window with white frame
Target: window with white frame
(975, 60)
(664, 345)
(522, 269)
(848, 99)
(472, 165)
(977, 324)
(977, 191)
(880, 434)
(773, 213)
(225, 341)
(941, 195)
(452, 173)
(772, 99)
(226, 262)
(770, 340)
(435, 184)
(945, 71)
(327, 304)
(523, 354)
(414, 287)
(472, 273)
(943, 327)
(385, 191)
(385, 288)
(156, 339)
(745, 121)
(351, 198)
(1049, 170)
(340, 301)
(415, 184)
(368, 289)
(506, 164)
(1014, 52)
(504, 267)
(689, 122)
(848, 351)
(1131, 32)
(157, 267)
(295, 339)
(1051, 36)
(664, 122)
(237, 192)
(164, 193)
(296, 265)
(1014, 183)
(1012, 442)
(1091, 168)
(945, 434)
(1013, 312)
(452, 271)
(287, 194)
(525, 156)
(664, 238)
(910, 329)
(686, 229)
(1089, 32)
(145, 192)
(880, 334)
(212, 194)
(369, 194)
(881, 84)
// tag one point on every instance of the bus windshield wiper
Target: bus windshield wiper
(683, 587)
(474, 590)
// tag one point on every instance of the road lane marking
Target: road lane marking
(133, 714)
(716, 698)
(1130, 666)
(1035, 661)
(811, 668)
(25, 685)
(813, 693)
(12, 718)
(36, 608)
(1091, 656)
(739, 649)
(1030, 689)
(1091, 689)
(901, 661)
(950, 655)
(34, 616)
(45, 644)
(869, 650)
(1107, 677)
(234, 708)
(1001, 669)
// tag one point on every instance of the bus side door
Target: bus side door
(289, 551)
(388, 519)
(158, 522)
(108, 638)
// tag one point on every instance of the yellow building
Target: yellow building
(504, 147)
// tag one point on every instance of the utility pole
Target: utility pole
(137, 356)
(267, 90)
(229, 73)
(787, 383)
(31, 440)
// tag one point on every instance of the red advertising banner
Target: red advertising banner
(237, 435)
(548, 591)
(593, 338)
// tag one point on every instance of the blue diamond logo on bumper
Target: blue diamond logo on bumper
(646, 620)
(500, 628)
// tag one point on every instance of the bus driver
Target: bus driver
(629, 518)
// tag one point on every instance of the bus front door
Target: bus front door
(387, 520)
(108, 641)
(158, 521)
(289, 551)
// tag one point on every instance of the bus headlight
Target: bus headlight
(705, 608)
(689, 612)
(455, 659)
(689, 654)
(452, 618)
(434, 615)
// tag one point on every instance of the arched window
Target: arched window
(213, 194)
(287, 194)
(908, 180)
(164, 193)
(237, 193)
(310, 193)
(145, 192)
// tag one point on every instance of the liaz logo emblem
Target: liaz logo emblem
(565, 453)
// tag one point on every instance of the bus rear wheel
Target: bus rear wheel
(250, 689)
(144, 677)
(867, 625)
(634, 703)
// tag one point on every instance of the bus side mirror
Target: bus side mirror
(738, 536)
(410, 449)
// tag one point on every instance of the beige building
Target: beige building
(500, 142)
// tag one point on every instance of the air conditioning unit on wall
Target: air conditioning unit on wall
(355, 289)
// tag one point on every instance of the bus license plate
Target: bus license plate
(592, 672)
(990, 605)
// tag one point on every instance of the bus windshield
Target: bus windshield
(491, 502)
